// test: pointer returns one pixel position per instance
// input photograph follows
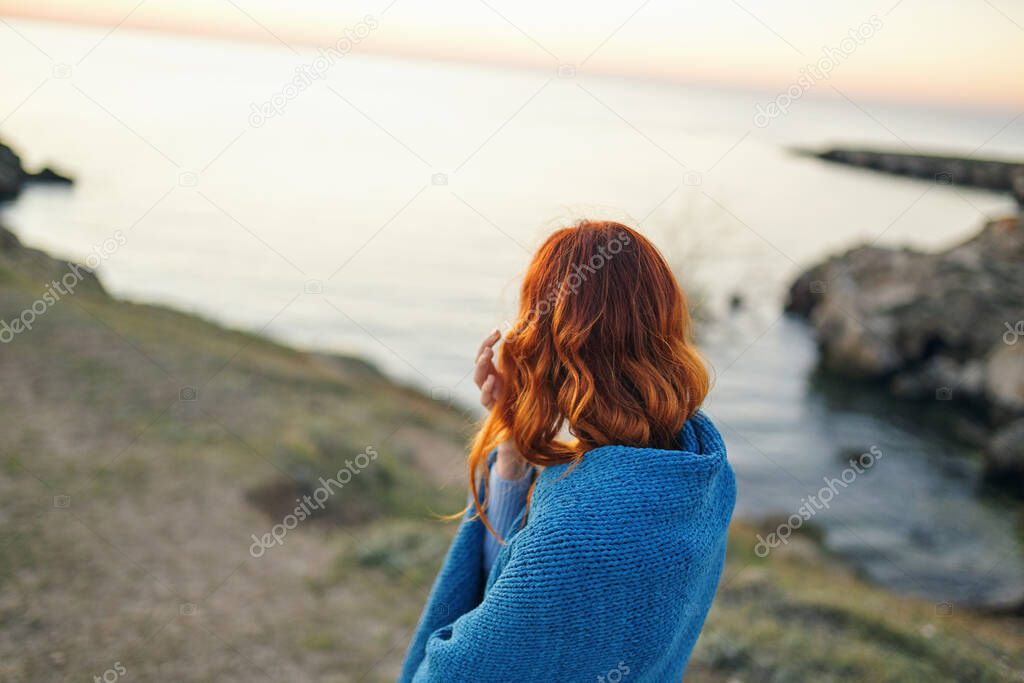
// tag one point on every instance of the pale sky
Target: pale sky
(957, 52)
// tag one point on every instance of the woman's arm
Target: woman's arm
(460, 585)
(508, 485)
(509, 481)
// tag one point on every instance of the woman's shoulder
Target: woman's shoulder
(699, 458)
(630, 490)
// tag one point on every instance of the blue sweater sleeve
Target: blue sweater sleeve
(506, 498)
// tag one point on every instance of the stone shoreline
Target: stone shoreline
(945, 326)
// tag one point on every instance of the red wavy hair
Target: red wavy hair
(602, 344)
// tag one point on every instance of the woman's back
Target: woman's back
(616, 557)
(615, 568)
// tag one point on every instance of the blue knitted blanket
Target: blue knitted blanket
(610, 579)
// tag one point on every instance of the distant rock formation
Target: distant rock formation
(13, 176)
(989, 174)
(946, 326)
(48, 175)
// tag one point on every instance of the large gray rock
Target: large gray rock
(1006, 453)
(938, 326)
(1004, 376)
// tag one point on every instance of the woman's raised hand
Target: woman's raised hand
(485, 375)
(510, 463)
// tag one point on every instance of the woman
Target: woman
(594, 557)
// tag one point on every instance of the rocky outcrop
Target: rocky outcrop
(946, 326)
(13, 176)
(49, 175)
(1006, 451)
